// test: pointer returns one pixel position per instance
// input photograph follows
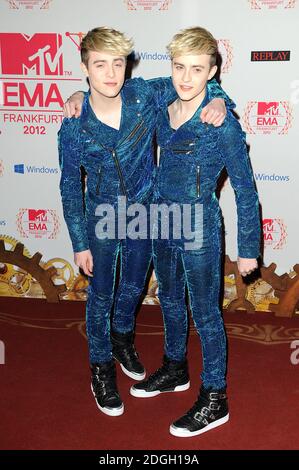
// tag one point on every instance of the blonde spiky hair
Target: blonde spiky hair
(105, 39)
(195, 40)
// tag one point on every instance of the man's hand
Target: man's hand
(214, 113)
(84, 260)
(246, 265)
(73, 106)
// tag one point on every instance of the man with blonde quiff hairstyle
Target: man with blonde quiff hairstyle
(192, 158)
(113, 140)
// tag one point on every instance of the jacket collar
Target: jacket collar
(130, 115)
(191, 128)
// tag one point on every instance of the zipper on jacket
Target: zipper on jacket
(181, 151)
(198, 180)
(99, 181)
(120, 175)
(133, 132)
(186, 147)
(139, 137)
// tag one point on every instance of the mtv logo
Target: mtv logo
(268, 225)
(39, 215)
(19, 168)
(36, 55)
(269, 109)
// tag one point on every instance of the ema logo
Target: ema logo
(38, 223)
(148, 5)
(20, 168)
(226, 52)
(271, 4)
(262, 117)
(29, 4)
(275, 234)
(270, 56)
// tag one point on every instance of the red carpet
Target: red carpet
(46, 402)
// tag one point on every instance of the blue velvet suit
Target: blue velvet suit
(191, 160)
(117, 163)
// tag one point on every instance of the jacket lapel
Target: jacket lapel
(90, 124)
(131, 116)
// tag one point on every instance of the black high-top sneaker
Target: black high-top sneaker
(104, 388)
(124, 352)
(173, 376)
(209, 411)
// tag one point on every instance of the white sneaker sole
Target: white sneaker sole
(181, 432)
(109, 411)
(132, 375)
(143, 394)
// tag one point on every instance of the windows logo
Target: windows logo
(19, 168)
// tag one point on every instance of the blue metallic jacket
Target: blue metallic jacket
(191, 160)
(125, 169)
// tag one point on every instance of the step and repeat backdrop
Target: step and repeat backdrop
(39, 69)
